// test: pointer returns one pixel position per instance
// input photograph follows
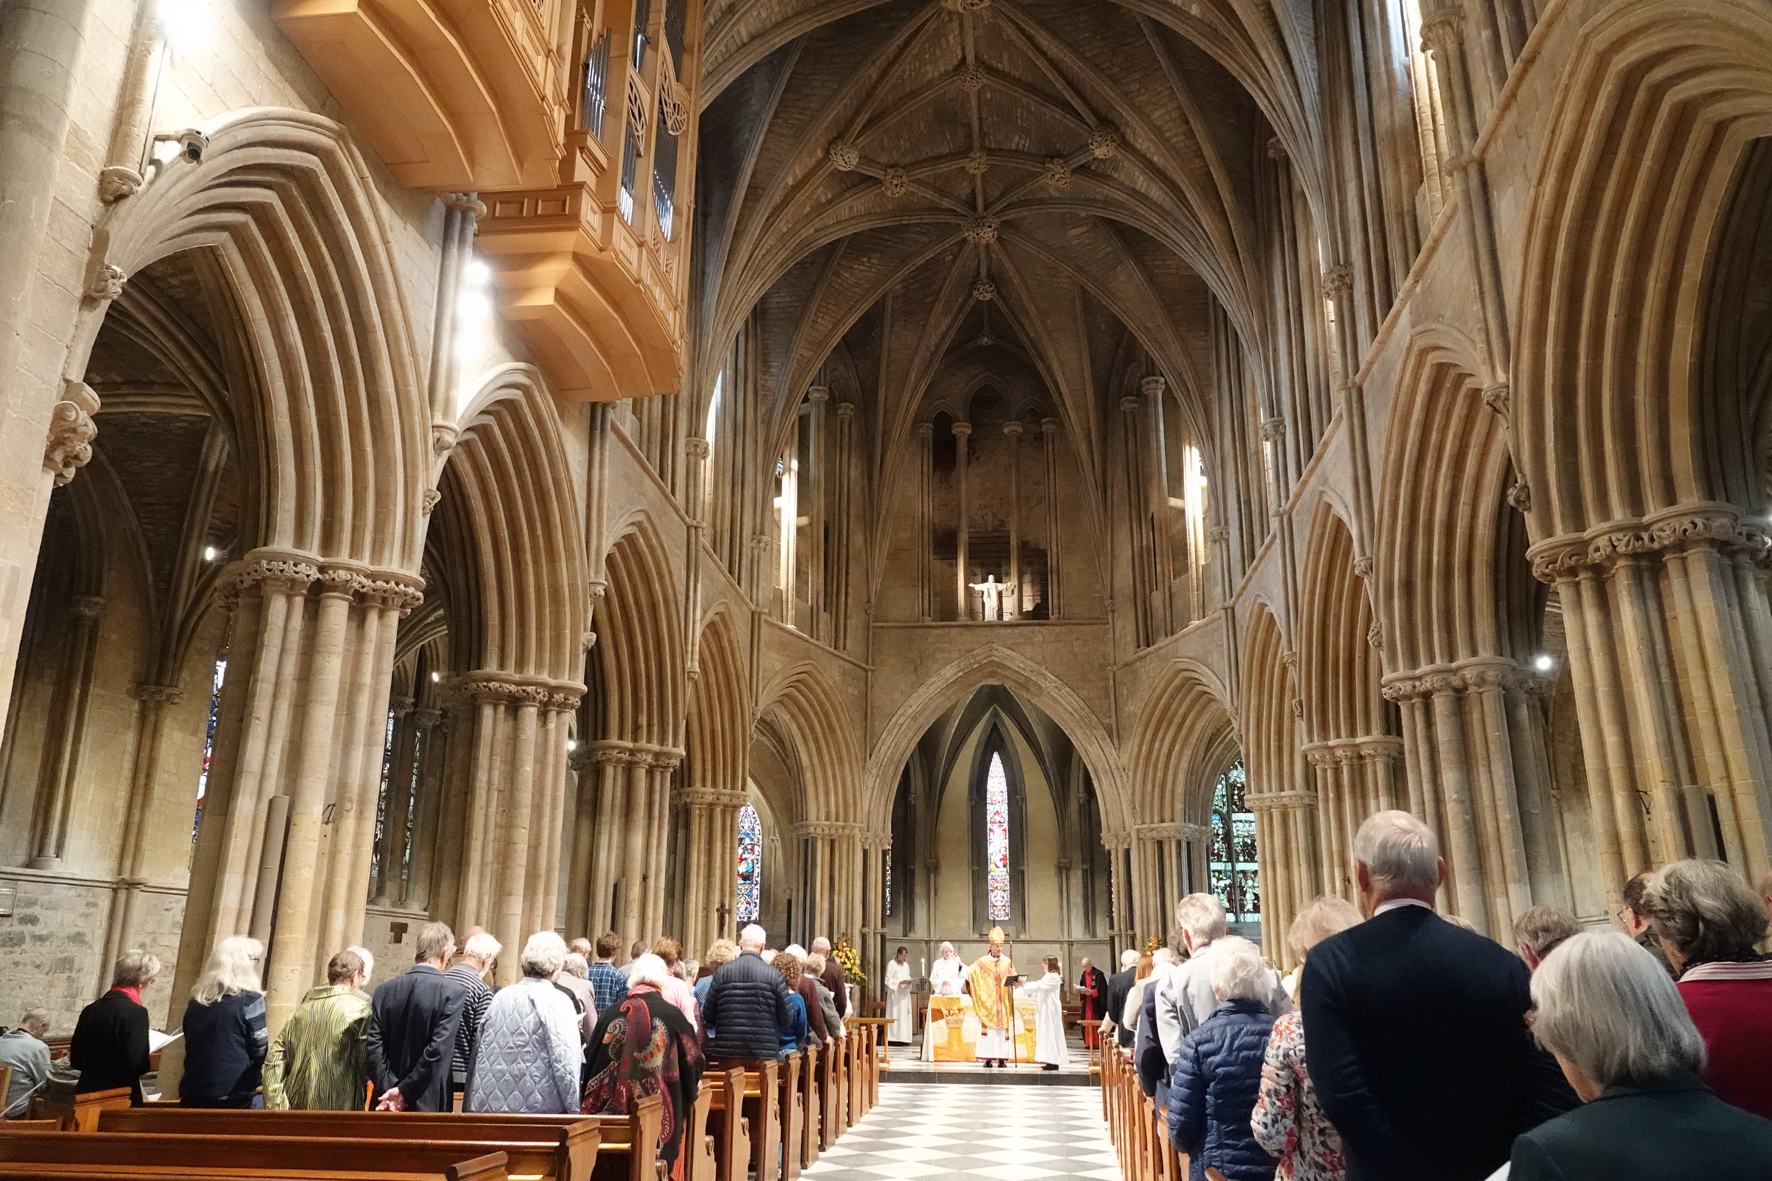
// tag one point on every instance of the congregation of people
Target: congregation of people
(576, 1033)
(1408, 1047)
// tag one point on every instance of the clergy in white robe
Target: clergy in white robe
(1049, 1048)
(898, 999)
(948, 973)
(993, 1002)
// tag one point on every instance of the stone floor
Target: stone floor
(985, 1130)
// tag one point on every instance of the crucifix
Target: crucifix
(990, 593)
(720, 912)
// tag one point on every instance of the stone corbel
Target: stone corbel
(68, 447)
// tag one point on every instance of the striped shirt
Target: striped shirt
(473, 1011)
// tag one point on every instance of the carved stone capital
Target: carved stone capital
(443, 437)
(424, 719)
(429, 501)
(961, 429)
(1337, 281)
(68, 446)
(695, 447)
(1496, 397)
(1014, 429)
(1279, 801)
(1520, 495)
(1715, 526)
(1131, 403)
(925, 430)
(1273, 429)
(1402, 689)
(818, 394)
(157, 694)
(1219, 533)
(1442, 683)
(1443, 31)
(1153, 386)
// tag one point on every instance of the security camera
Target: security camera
(191, 143)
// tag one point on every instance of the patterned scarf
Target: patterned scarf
(645, 1046)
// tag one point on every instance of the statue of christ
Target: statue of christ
(991, 594)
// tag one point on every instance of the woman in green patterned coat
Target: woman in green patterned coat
(318, 1062)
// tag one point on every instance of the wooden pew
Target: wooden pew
(79, 1113)
(830, 1094)
(762, 1113)
(629, 1151)
(486, 1168)
(857, 1067)
(564, 1147)
(811, 1105)
(250, 1155)
(792, 1116)
(732, 1134)
(699, 1146)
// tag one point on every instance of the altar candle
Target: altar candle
(925, 963)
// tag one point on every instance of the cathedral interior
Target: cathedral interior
(884, 469)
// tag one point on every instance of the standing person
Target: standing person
(748, 1004)
(989, 1000)
(645, 1046)
(808, 989)
(412, 1030)
(1092, 992)
(529, 1053)
(1418, 1043)
(1288, 1119)
(467, 975)
(362, 953)
(899, 1004)
(1623, 1038)
(634, 954)
(27, 1053)
(830, 1025)
(1218, 1070)
(1538, 932)
(675, 990)
(224, 1024)
(833, 975)
(796, 1031)
(320, 1061)
(949, 973)
(1049, 1048)
(1119, 987)
(1708, 922)
(110, 1044)
(720, 951)
(1153, 1065)
(575, 977)
(608, 982)
(1185, 999)
(1634, 916)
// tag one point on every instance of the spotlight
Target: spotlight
(209, 553)
(571, 745)
(436, 676)
(1544, 664)
(187, 25)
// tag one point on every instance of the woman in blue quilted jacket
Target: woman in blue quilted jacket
(1218, 1071)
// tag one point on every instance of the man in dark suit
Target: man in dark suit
(412, 1028)
(1415, 1029)
(1119, 986)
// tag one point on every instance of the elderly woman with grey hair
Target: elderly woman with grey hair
(1708, 920)
(1612, 1018)
(529, 1052)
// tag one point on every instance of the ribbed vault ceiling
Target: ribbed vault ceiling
(1068, 181)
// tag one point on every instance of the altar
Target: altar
(951, 1032)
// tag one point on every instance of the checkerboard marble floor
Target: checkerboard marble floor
(958, 1130)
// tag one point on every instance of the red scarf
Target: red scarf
(134, 994)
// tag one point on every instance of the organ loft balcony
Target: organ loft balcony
(574, 123)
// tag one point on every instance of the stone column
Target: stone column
(925, 519)
(843, 484)
(1282, 823)
(1012, 431)
(65, 733)
(1049, 440)
(695, 452)
(963, 524)
(1157, 484)
(150, 728)
(663, 764)
(1138, 527)
(814, 488)
(637, 831)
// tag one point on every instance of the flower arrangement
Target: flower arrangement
(849, 960)
(1151, 944)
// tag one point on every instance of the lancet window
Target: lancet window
(996, 821)
(215, 688)
(1236, 880)
(750, 864)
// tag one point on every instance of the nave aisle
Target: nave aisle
(957, 1130)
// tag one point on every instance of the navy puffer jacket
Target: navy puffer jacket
(1217, 1077)
(746, 1011)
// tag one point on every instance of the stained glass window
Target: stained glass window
(886, 881)
(381, 802)
(996, 829)
(1236, 879)
(215, 688)
(750, 864)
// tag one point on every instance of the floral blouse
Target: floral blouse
(1288, 1120)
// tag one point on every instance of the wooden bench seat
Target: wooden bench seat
(731, 1130)
(762, 1113)
(130, 1152)
(564, 1147)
